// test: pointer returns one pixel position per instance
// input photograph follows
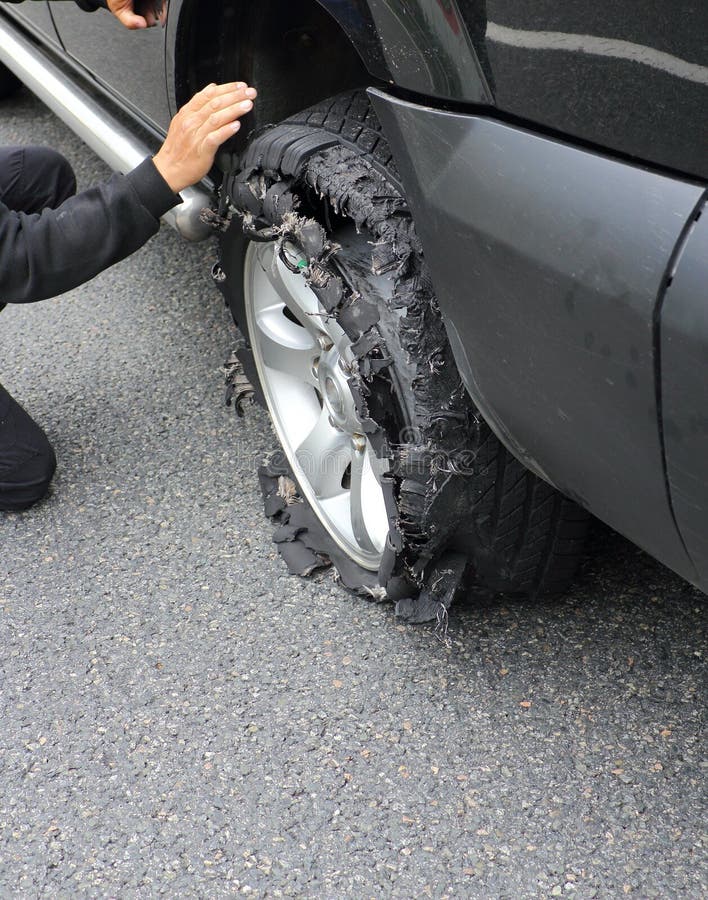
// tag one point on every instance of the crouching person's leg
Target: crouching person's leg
(34, 178)
(27, 461)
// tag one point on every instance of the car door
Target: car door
(130, 63)
(36, 16)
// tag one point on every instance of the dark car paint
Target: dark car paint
(548, 263)
(99, 44)
(638, 85)
(684, 367)
(39, 16)
(629, 77)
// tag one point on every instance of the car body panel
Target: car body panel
(631, 77)
(130, 63)
(684, 366)
(35, 16)
(428, 49)
(548, 263)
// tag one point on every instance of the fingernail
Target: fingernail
(246, 104)
(251, 92)
(235, 125)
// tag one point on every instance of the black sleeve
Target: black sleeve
(48, 253)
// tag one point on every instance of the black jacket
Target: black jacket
(45, 254)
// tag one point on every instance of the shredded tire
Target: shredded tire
(451, 483)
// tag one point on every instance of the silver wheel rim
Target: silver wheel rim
(303, 358)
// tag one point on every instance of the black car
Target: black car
(465, 244)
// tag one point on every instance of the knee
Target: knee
(51, 173)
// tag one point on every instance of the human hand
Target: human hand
(124, 11)
(199, 129)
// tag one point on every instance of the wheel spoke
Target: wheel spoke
(290, 288)
(324, 456)
(358, 502)
(283, 349)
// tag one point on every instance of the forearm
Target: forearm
(47, 254)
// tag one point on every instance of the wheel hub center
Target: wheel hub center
(336, 394)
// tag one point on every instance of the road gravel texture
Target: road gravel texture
(181, 718)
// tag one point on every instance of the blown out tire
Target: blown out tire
(320, 206)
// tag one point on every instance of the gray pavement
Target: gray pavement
(181, 718)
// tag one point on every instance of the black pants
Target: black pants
(31, 179)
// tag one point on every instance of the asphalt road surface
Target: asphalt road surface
(181, 718)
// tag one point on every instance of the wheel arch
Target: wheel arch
(295, 51)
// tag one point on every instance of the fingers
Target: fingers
(230, 113)
(131, 21)
(216, 138)
(221, 107)
(215, 113)
(217, 92)
(123, 11)
(241, 94)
